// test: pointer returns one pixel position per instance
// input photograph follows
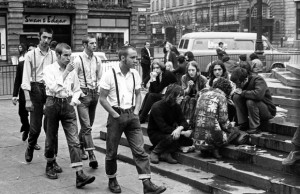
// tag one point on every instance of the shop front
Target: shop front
(32, 23)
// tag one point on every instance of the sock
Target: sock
(91, 152)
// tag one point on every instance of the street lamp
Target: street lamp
(259, 49)
(250, 13)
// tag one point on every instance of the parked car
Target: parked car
(235, 43)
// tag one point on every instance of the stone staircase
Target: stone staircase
(285, 87)
(242, 170)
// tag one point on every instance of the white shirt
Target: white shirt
(56, 87)
(148, 51)
(125, 86)
(92, 69)
(35, 63)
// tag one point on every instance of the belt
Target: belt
(67, 99)
(123, 111)
(37, 83)
(88, 90)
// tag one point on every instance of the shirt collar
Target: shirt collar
(40, 51)
(87, 56)
(57, 66)
(118, 70)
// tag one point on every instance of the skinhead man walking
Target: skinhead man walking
(63, 91)
(88, 68)
(35, 62)
(120, 96)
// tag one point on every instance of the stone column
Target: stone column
(80, 24)
(14, 27)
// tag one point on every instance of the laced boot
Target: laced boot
(93, 161)
(50, 172)
(56, 167)
(114, 186)
(83, 179)
(151, 188)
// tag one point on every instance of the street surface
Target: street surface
(17, 176)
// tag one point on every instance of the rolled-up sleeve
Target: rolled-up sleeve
(76, 90)
(27, 68)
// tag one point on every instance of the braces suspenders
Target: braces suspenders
(117, 89)
(84, 70)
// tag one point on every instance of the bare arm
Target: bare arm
(105, 103)
(138, 101)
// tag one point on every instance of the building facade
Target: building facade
(113, 22)
(171, 19)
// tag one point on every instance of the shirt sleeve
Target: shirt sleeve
(27, 68)
(105, 81)
(99, 70)
(138, 81)
(76, 90)
(53, 84)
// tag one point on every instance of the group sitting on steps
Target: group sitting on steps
(206, 119)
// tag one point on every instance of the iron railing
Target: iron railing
(8, 72)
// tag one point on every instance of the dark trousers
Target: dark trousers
(169, 145)
(38, 99)
(60, 110)
(148, 101)
(251, 111)
(130, 125)
(146, 73)
(23, 113)
(86, 114)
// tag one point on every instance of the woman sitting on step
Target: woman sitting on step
(167, 128)
(211, 118)
(192, 83)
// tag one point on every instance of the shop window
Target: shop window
(109, 42)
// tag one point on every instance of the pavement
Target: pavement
(17, 176)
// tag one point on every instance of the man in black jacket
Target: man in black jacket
(23, 113)
(145, 63)
(252, 99)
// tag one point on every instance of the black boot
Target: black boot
(56, 167)
(29, 154)
(50, 172)
(83, 153)
(114, 186)
(93, 161)
(150, 187)
(83, 179)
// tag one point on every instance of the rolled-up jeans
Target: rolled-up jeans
(86, 114)
(130, 125)
(58, 109)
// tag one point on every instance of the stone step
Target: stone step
(266, 158)
(286, 77)
(295, 68)
(277, 88)
(286, 128)
(286, 101)
(272, 141)
(204, 181)
(243, 172)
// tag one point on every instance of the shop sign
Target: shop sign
(142, 23)
(228, 23)
(46, 19)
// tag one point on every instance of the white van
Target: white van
(235, 43)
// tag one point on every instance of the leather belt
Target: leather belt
(123, 111)
(56, 99)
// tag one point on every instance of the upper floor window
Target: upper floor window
(180, 2)
(266, 11)
(168, 3)
(174, 3)
(162, 2)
